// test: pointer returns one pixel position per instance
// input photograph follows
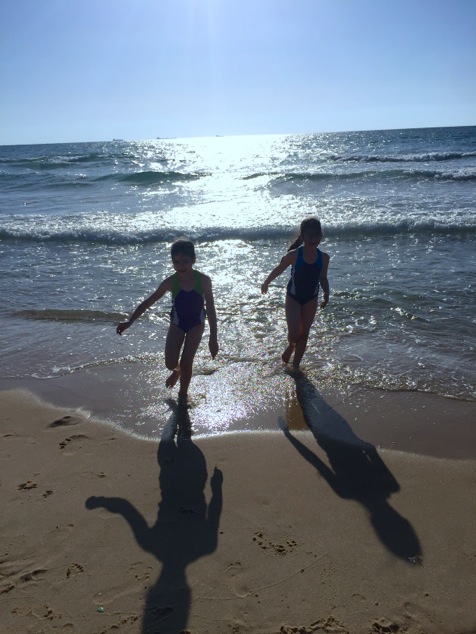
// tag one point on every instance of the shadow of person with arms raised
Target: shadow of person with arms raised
(356, 470)
(184, 530)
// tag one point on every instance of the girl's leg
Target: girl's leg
(293, 319)
(308, 312)
(192, 341)
(173, 344)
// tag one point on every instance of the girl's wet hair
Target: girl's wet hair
(184, 246)
(308, 225)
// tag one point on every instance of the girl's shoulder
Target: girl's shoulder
(291, 256)
(205, 280)
(168, 283)
(325, 260)
(201, 275)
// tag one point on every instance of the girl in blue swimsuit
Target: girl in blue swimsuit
(309, 272)
(191, 294)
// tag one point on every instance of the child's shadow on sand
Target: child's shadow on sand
(357, 472)
(183, 532)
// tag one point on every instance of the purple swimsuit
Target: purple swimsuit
(188, 307)
(304, 283)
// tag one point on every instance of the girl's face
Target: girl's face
(182, 263)
(311, 239)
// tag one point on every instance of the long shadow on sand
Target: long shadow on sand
(357, 472)
(183, 532)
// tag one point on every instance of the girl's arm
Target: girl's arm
(147, 303)
(211, 315)
(287, 260)
(323, 279)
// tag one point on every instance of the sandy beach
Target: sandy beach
(284, 531)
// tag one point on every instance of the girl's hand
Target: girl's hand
(264, 288)
(213, 346)
(122, 326)
(325, 302)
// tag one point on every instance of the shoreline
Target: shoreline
(251, 533)
(411, 422)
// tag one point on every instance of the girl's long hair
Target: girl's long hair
(308, 225)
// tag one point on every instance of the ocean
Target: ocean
(85, 234)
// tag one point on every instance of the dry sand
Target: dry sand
(253, 532)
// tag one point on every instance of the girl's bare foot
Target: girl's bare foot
(173, 378)
(294, 371)
(287, 353)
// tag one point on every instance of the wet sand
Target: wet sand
(312, 527)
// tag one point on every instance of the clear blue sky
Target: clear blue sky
(86, 70)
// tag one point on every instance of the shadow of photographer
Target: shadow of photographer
(185, 529)
(356, 470)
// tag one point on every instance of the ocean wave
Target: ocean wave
(349, 230)
(403, 158)
(278, 178)
(31, 181)
(153, 178)
(54, 162)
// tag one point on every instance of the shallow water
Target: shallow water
(85, 231)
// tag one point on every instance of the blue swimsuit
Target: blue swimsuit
(304, 283)
(188, 307)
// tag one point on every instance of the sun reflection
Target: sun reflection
(235, 394)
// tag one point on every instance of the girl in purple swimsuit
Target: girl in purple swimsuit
(309, 271)
(191, 295)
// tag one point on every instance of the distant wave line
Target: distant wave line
(404, 158)
(404, 174)
(147, 178)
(57, 162)
(12, 182)
(215, 234)
(63, 161)
(152, 177)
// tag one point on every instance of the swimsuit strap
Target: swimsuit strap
(198, 283)
(300, 257)
(176, 284)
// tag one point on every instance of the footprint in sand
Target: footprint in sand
(140, 573)
(74, 569)
(280, 548)
(384, 626)
(127, 620)
(33, 575)
(73, 443)
(330, 624)
(26, 486)
(63, 422)
(238, 584)
(233, 569)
